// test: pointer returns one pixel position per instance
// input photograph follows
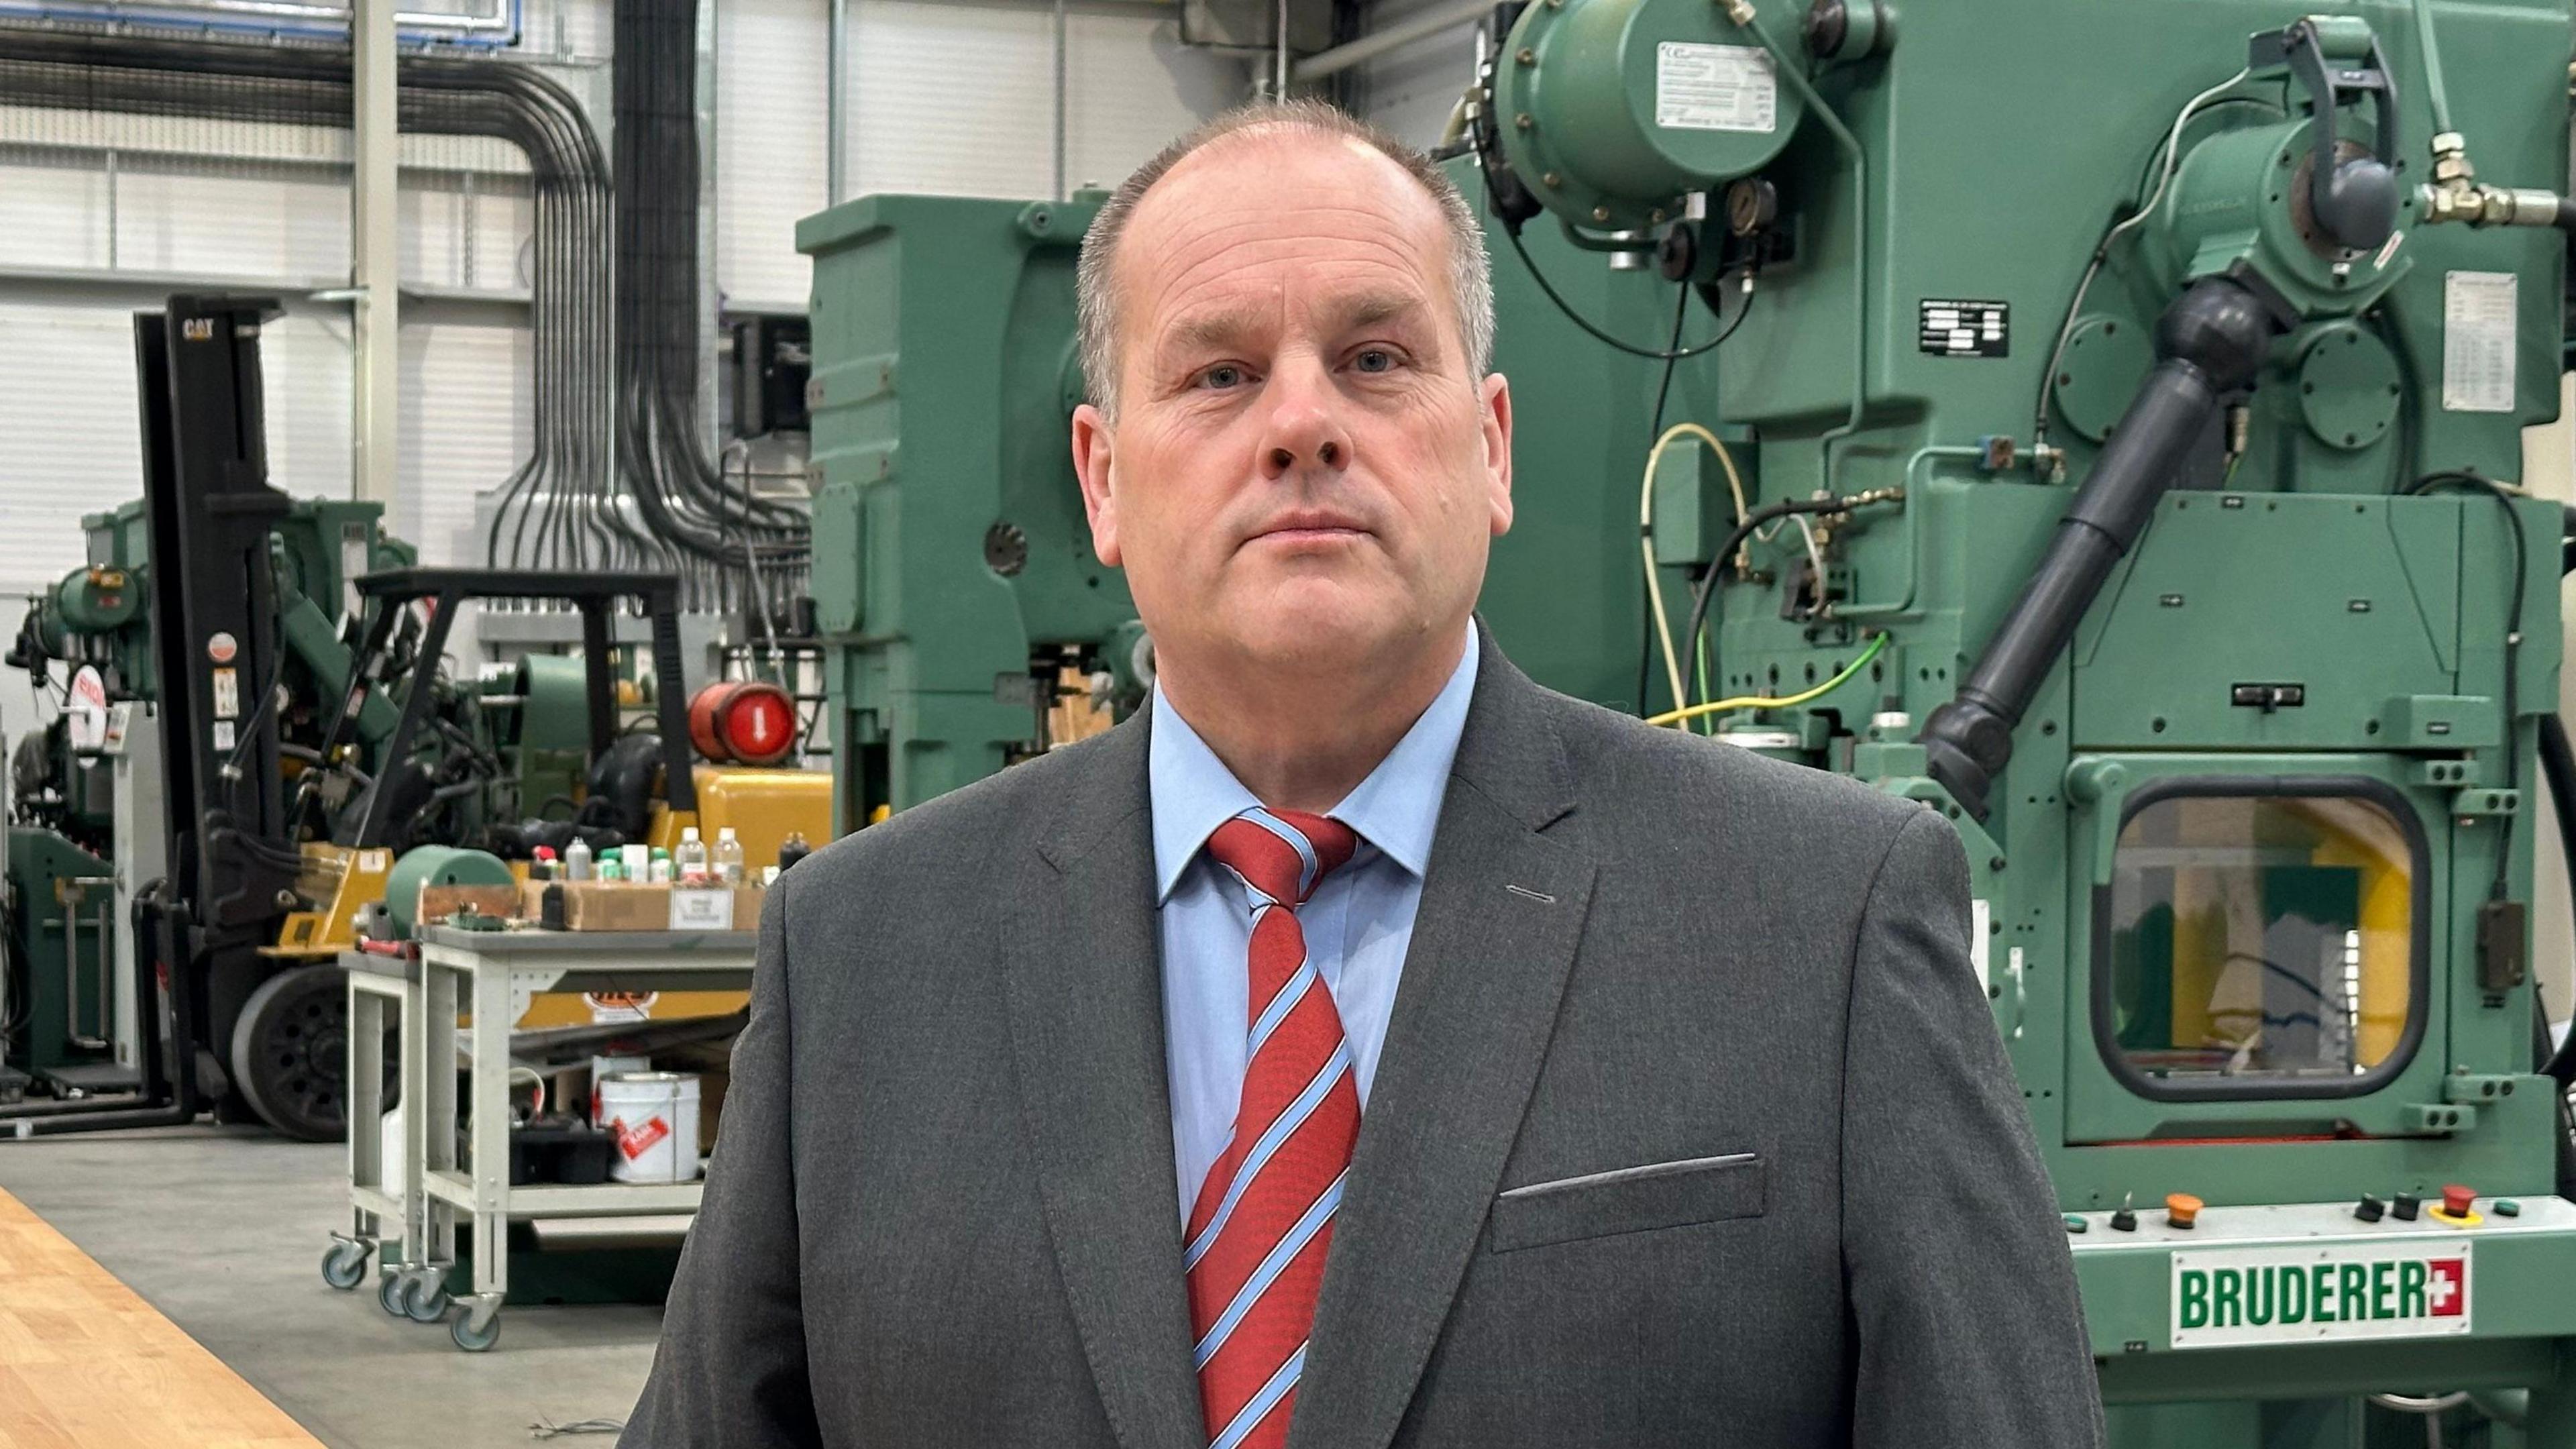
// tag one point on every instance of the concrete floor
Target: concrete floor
(223, 1230)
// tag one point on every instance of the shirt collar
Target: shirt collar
(1395, 809)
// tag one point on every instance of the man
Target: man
(1364, 1046)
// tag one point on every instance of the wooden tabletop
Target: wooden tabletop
(87, 1364)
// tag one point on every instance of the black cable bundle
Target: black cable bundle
(596, 491)
(743, 546)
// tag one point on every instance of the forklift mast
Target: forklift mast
(212, 593)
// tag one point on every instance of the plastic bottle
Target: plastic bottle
(660, 866)
(612, 866)
(691, 857)
(793, 849)
(541, 863)
(728, 859)
(577, 859)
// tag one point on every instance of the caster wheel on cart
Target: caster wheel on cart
(344, 1265)
(424, 1297)
(471, 1339)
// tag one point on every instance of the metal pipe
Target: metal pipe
(836, 104)
(1061, 102)
(71, 965)
(2432, 56)
(1904, 598)
(27, 1120)
(1792, 69)
(1279, 53)
(111, 208)
(77, 893)
(1394, 37)
(375, 247)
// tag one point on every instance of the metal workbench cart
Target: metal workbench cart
(436, 1190)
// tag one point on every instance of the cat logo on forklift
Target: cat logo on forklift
(2326, 1293)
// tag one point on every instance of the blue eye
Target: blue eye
(1374, 359)
(1223, 375)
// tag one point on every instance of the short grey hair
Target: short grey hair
(1471, 282)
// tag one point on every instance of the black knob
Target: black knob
(2404, 1208)
(1827, 25)
(1677, 255)
(2370, 1209)
(2359, 203)
(2124, 1221)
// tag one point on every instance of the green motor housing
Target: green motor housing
(437, 865)
(1610, 111)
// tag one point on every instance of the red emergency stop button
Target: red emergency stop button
(2459, 1207)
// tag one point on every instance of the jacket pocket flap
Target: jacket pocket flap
(1630, 1200)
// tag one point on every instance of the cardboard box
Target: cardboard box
(616, 905)
(438, 902)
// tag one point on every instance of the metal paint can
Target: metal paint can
(653, 1119)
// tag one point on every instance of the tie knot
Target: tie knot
(1282, 854)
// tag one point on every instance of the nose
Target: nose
(1304, 428)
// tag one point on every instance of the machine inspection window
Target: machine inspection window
(2261, 944)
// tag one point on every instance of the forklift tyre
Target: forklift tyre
(290, 1051)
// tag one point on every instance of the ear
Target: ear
(1093, 439)
(1495, 414)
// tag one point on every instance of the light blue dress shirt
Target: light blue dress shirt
(1357, 925)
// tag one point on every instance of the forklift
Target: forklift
(262, 855)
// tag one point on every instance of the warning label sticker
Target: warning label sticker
(2477, 341)
(1715, 88)
(2323, 1294)
(636, 1141)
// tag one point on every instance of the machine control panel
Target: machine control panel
(2297, 1222)
(2195, 1276)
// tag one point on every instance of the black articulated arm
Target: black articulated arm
(2208, 345)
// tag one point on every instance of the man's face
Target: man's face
(1305, 473)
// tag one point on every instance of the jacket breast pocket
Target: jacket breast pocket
(1629, 1200)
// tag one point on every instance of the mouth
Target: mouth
(1309, 526)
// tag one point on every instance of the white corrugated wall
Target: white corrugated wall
(949, 97)
(99, 213)
(1410, 89)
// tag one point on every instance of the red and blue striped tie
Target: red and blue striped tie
(1264, 1217)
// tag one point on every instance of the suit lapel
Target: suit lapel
(1502, 910)
(1086, 1011)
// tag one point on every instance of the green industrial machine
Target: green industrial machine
(99, 614)
(956, 593)
(2114, 444)
(2131, 483)
(69, 904)
(961, 587)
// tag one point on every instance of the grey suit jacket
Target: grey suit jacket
(1692, 1128)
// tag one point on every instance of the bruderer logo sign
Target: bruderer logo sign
(2325, 1293)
